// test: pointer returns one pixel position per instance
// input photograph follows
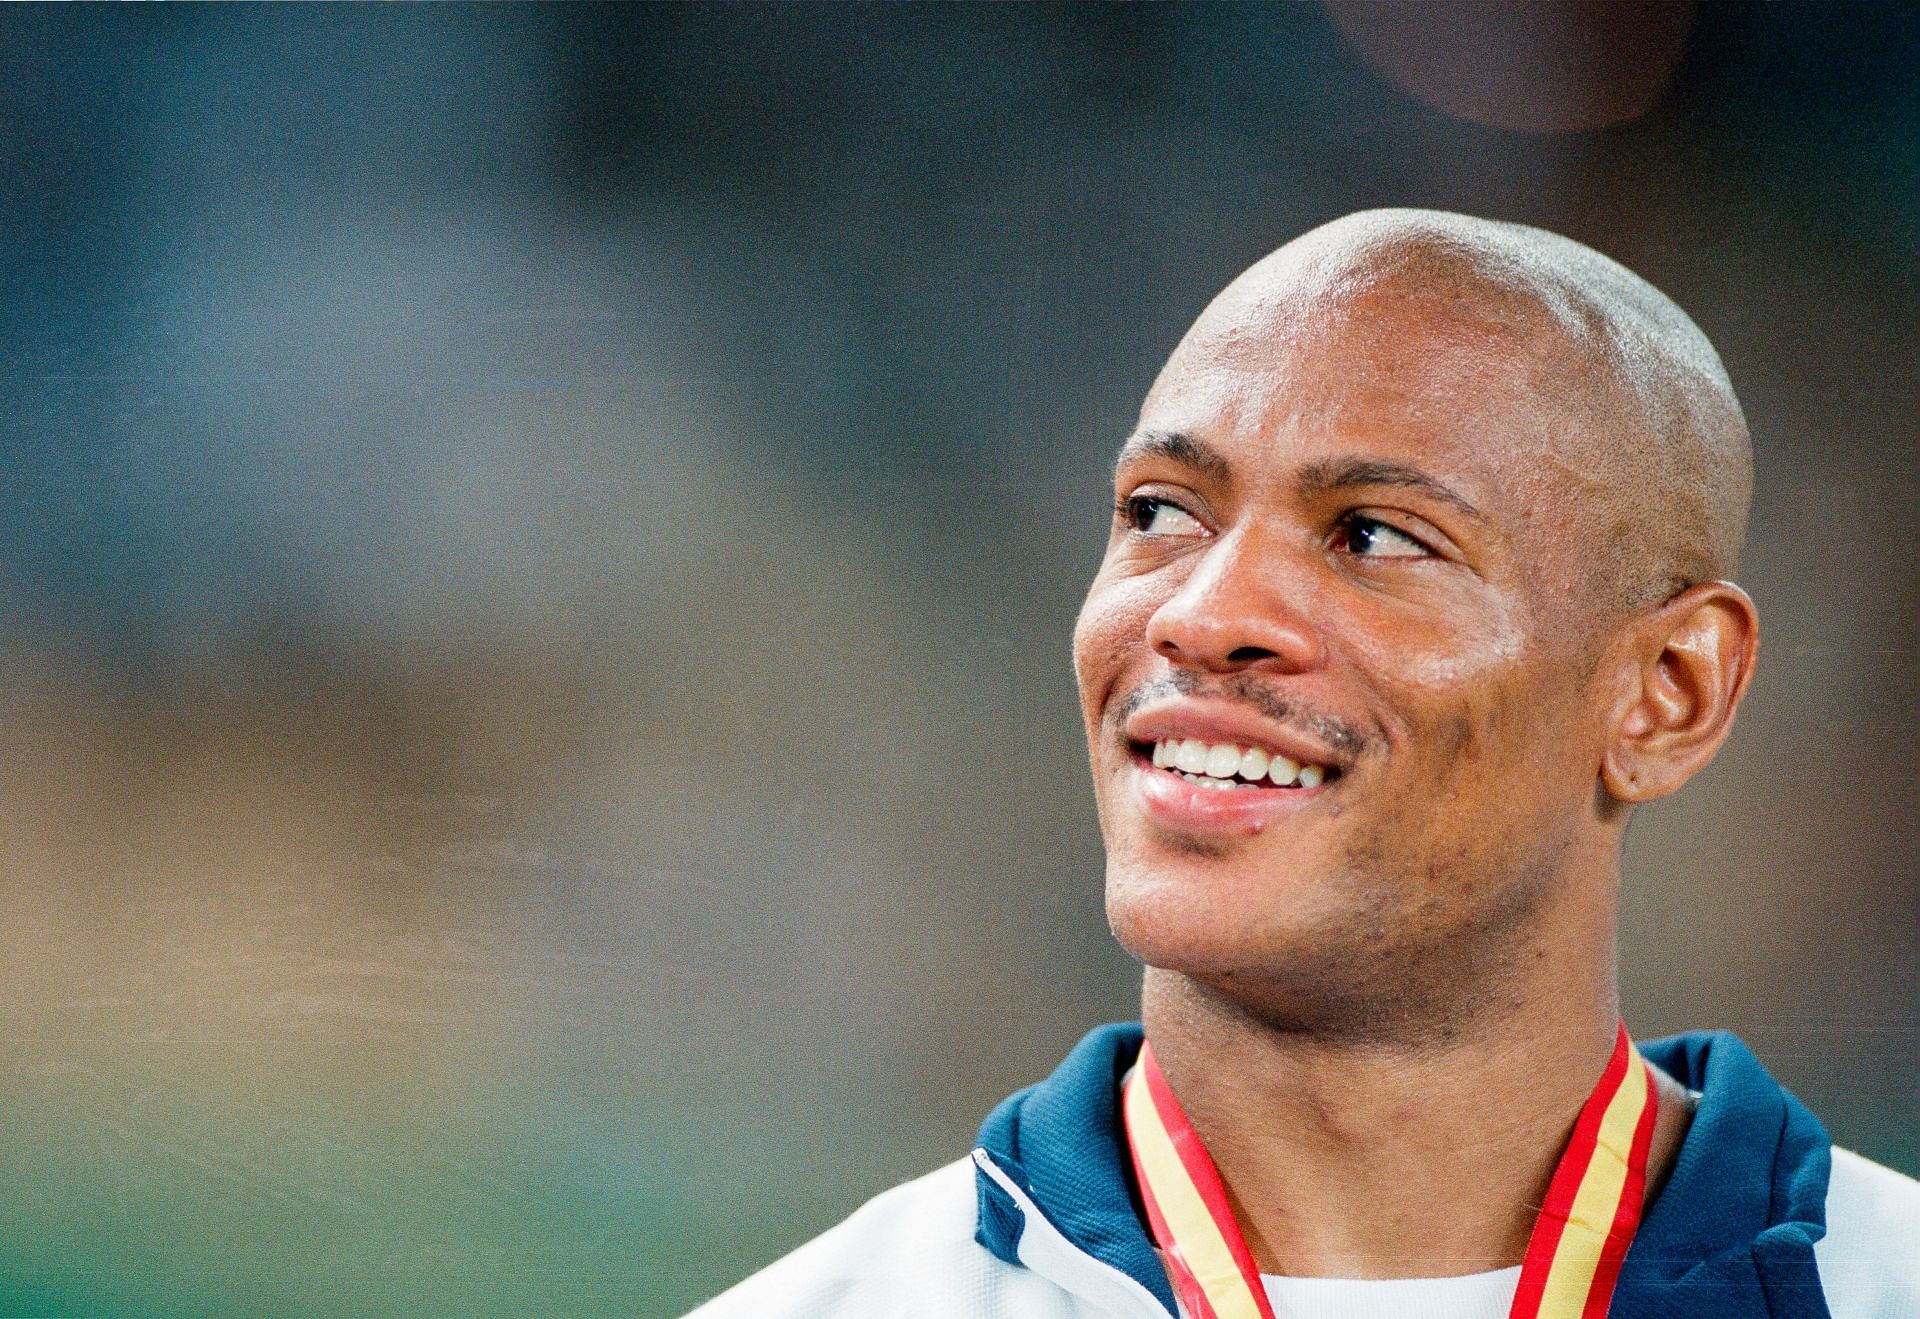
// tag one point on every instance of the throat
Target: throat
(1446, 1218)
(1371, 1164)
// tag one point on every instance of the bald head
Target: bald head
(1638, 414)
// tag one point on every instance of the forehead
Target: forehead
(1490, 394)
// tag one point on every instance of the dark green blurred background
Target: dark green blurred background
(537, 548)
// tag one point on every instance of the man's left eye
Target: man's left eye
(1360, 534)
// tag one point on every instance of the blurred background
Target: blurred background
(537, 548)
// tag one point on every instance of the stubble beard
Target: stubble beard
(1387, 965)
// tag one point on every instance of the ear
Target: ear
(1691, 660)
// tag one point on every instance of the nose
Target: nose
(1239, 608)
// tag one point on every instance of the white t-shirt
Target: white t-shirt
(1471, 1296)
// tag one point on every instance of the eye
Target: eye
(1149, 515)
(1374, 539)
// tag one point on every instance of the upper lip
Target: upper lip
(1218, 721)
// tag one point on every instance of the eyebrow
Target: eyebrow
(1175, 447)
(1338, 473)
(1315, 479)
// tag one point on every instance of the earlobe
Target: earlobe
(1692, 662)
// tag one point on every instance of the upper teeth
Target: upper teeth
(1225, 760)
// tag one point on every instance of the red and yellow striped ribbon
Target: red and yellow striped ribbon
(1573, 1256)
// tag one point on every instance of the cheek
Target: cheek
(1492, 698)
(1109, 634)
(1508, 754)
(1465, 651)
(1443, 690)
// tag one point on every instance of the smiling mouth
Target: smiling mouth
(1229, 766)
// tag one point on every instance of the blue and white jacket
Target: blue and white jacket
(1761, 1218)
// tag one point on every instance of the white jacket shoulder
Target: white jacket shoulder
(1870, 1258)
(907, 1252)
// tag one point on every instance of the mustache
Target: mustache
(1335, 733)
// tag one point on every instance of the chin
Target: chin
(1329, 989)
(1335, 961)
(1198, 921)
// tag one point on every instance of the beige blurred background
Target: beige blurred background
(537, 549)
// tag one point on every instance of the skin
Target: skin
(1452, 502)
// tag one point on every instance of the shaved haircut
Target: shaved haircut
(1662, 445)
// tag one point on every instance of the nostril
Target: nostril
(1225, 635)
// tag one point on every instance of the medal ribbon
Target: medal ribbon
(1573, 1256)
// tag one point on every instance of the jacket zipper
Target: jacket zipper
(1046, 1250)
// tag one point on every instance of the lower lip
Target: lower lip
(1174, 802)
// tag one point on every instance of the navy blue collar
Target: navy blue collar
(1730, 1236)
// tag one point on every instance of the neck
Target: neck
(1363, 1159)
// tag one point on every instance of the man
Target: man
(1419, 582)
